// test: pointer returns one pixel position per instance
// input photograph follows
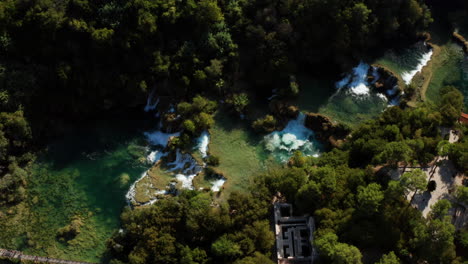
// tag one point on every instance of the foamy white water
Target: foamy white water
(159, 138)
(202, 143)
(357, 80)
(425, 58)
(154, 156)
(382, 96)
(186, 168)
(218, 184)
(295, 136)
(130, 195)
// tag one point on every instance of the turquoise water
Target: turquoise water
(84, 176)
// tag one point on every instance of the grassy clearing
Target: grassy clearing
(239, 150)
(446, 70)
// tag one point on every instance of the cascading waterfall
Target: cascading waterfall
(218, 184)
(424, 59)
(151, 102)
(202, 143)
(185, 167)
(295, 136)
(356, 81)
(159, 138)
(357, 84)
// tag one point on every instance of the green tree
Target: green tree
(209, 12)
(225, 248)
(389, 258)
(370, 197)
(204, 121)
(393, 153)
(451, 104)
(338, 253)
(461, 194)
(255, 259)
(414, 181)
(266, 124)
(189, 125)
(440, 209)
(239, 101)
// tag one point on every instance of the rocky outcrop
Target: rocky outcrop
(325, 130)
(387, 80)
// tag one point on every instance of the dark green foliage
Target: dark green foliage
(440, 209)
(396, 136)
(197, 116)
(389, 258)
(451, 104)
(15, 153)
(239, 102)
(458, 152)
(266, 124)
(191, 228)
(369, 198)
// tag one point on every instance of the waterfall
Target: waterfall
(159, 138)
(218, 184)
(151, 103)
(408, 75)
(186, 168)
(356, 81)
(295, 136)
(202, 143)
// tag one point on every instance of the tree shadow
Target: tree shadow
(421, 200)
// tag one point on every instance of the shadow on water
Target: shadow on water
(314, 93)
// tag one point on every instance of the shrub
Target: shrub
(265, 125)
(239, 102)
(189, 126)
(204, 121)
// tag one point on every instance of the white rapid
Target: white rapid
(159, 138)
(425, 58)
(218, 184)
(202, 143)
(358, 85)
(295, 136)
(186, 168)
(356, 81)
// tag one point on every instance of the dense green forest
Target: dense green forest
(64, 62)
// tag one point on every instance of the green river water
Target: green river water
(83, 176)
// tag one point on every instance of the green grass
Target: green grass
(239, 150)
(446, 70)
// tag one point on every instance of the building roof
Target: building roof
(464, 118)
